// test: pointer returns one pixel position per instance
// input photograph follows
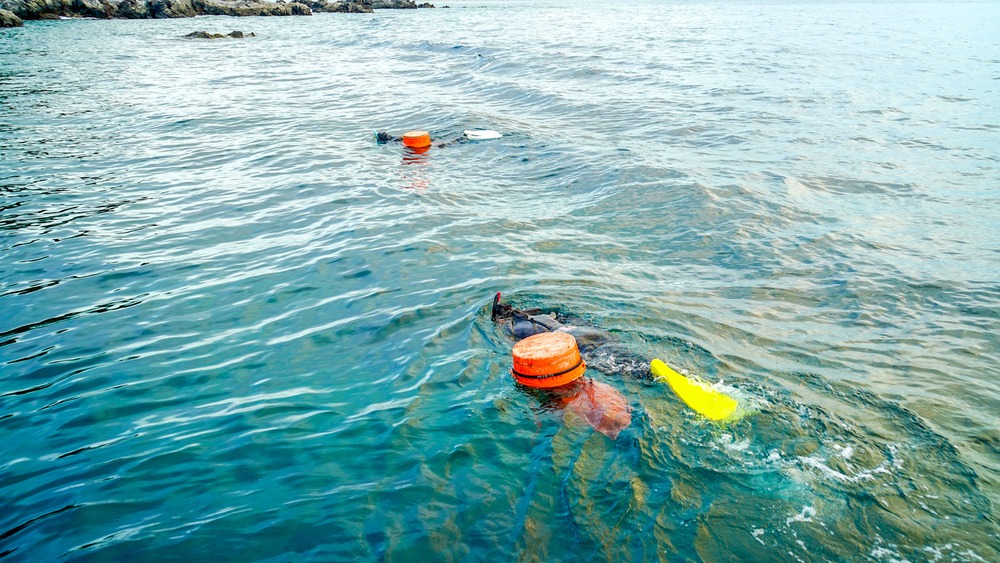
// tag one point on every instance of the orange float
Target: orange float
(547, 360)
(417, 139)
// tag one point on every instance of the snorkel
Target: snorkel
(496, 303)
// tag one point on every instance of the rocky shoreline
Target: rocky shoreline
(12, 12)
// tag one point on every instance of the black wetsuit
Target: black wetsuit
(381, 137)
(598, 348)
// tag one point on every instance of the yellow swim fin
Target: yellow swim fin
(699, 396)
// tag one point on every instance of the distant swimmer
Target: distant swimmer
(422, 140)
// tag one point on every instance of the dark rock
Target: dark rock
(171, 9)
(353, 8)
(251, 8)
(206, 35)
(426, 5)
(393, 5)
(52, 9)
(321, 5)
(134, 10)
(94, 8)
(342, 7)
(10, 19)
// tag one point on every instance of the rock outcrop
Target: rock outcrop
(9, 19)
(362, 6)
(252, 8)
(143, 9)
(393, 5)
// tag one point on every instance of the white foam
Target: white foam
(845, 451)
(728, 442)
(807, 515)
(884, 468)
(883, 553)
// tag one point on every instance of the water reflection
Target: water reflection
(415, 164)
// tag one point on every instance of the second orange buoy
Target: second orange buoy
(417, 139)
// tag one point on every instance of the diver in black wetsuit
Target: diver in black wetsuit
(597, 347)
(381, 137)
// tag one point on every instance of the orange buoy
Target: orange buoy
(417, 139)
(546, 360)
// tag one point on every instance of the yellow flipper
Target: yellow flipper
(696, 394)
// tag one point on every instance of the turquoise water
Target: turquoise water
(233, 327)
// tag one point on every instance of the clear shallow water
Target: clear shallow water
(234, 327)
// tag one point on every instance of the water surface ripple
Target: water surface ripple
(234, 327)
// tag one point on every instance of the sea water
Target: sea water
(233, 327)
